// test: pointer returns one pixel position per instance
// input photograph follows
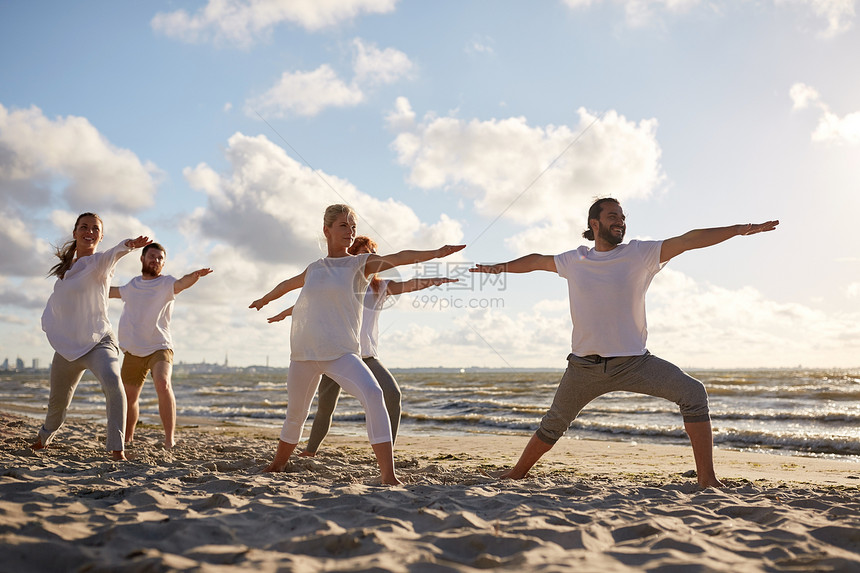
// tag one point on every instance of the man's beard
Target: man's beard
(607, 235)
(148, 271)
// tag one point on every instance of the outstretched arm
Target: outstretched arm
(114, 292)
(379, 263)
(189, 279)
(137, 243)
(122, 249)
(283, 288)
(526, 264)
(701, 238)
(395, 287)
(282, 315)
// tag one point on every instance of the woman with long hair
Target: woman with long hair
(76, 323)
(329, 391)
(324, 337)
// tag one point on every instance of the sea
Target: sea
(811, 412)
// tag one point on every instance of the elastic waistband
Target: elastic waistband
(593, 358)
(598, 359)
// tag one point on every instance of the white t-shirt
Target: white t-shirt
(144, 326)
(75, 318)
(327, 315)
(369, 336)
(607, 296)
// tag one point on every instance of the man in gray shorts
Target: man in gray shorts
(144, 336)
(607, 286)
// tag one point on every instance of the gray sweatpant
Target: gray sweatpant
(103, 362)
(586, 379)
(329, 392)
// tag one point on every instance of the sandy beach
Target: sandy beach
(588, 506)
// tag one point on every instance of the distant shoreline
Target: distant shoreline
(182, 368)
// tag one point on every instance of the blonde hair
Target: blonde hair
(332, 212)
(66, 252)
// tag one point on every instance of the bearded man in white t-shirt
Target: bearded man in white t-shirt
(144, 336)
(607, 286)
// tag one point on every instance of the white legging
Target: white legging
(353, 375)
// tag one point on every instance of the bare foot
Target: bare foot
(169, 445)
(714, 482)
(274, 468)
(37, 445)
(392, 481)
(307, 454)
(118, 456)
(510, 474)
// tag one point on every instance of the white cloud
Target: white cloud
(831, 128)
(375, 66)
(21, 248)
(402, 118)
(242, 22)
(37, 152)
(839, 14)
(803, 96)
(482, 337)
(554, 236)
(506, 162)
(707, 325)
(29, 293)
(269, 207)
(308, 93)
(852, 290)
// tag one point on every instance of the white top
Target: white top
(369, 336)
(327, 315)
(144, 326)
(75, 318)
(607, 296)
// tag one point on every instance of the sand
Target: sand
(588, 506)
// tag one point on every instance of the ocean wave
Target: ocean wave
(843, 446)
(832, 417)
(805, 392)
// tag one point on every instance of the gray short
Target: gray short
(585, 379)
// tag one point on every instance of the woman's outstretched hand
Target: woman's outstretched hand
(137, 243)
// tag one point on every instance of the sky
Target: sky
(223, 128)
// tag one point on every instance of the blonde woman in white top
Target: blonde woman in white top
(76, 323)
(324, 337)
(329, 392)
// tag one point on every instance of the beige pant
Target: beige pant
(103, 362)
